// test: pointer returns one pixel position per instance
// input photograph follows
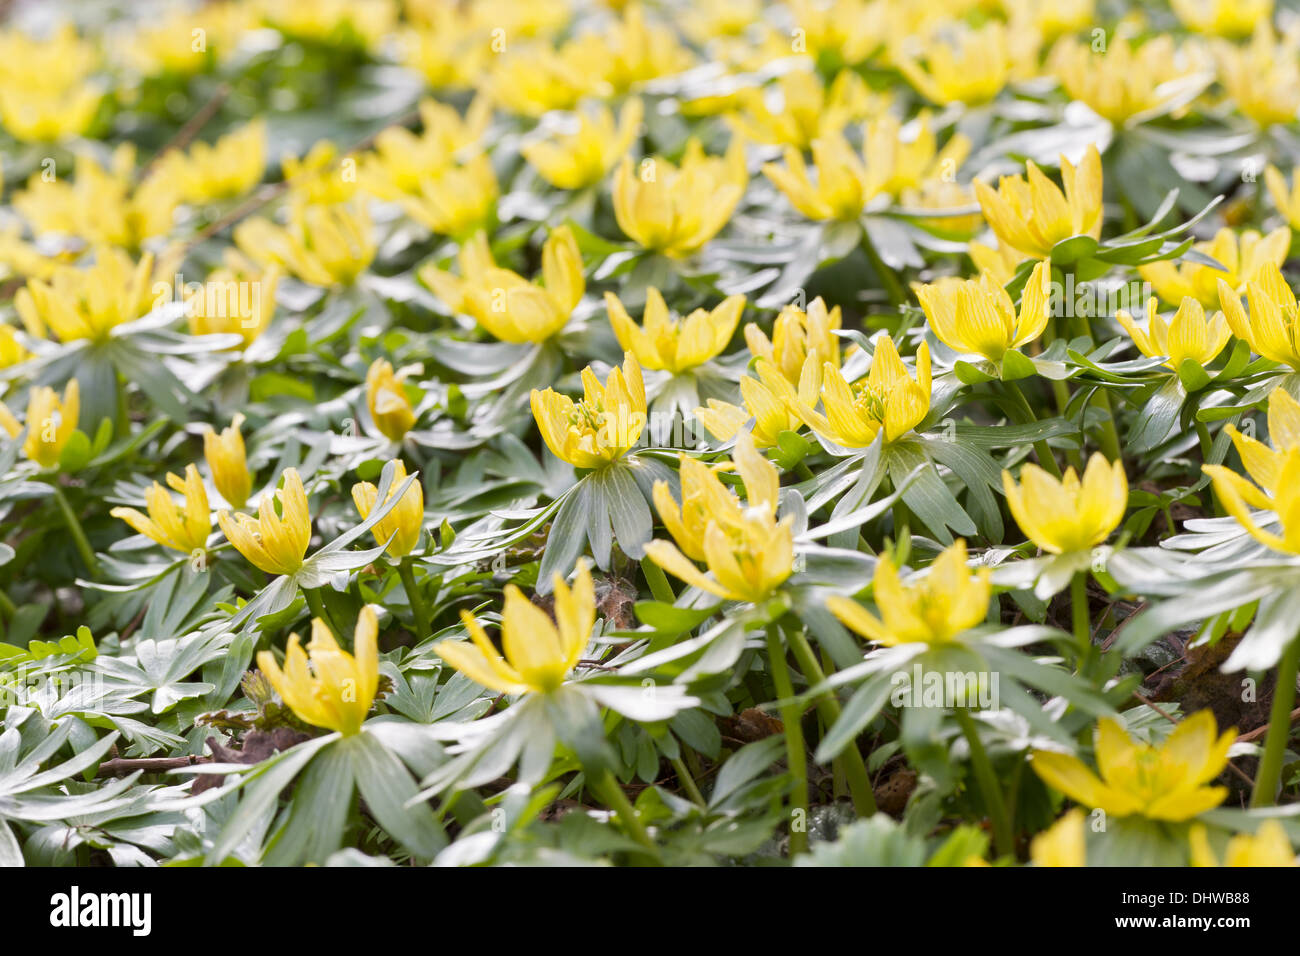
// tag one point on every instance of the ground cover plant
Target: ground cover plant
(819, 432)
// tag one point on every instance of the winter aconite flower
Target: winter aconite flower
(386, 399)
(326, 686)
(1244, 257)
(1061, 844)
(1033, 216)
(887, 400)
(798, 109)
(228, 462)
(1132, 80)
(88, 302)
(969, 66)
(235, 300)
(1287, 199)
(1188, 335)
(674, 345)
(1067, 515)
(1276, 474)
(274, 542)
(539, 652)
(935, 607)
(181, 529)
(506, 304)
(796, 333)
(601, 427)
(770, 400)
(1232, 19)
(674, 209)
(977, 315)
(226, 169)
(323, 245)
(1166, 782)
(1263, 77)
(404, 522)
(1273, 328)
(1267, 846)
(748, 551)
(50, 422)
(580, 156)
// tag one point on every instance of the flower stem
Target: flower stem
(1279, 728)
(406, 571)
(1041, 448)
(1003, 835)
(1109, 436)
(893, 288)
(78, 535)
(316, 604)
(604, 786)
(795, 754)
(687, 781)
(1079, 615)
(659, 586)
(851, 762)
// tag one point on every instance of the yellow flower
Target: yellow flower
(629, 52)
(795, 334)
(330, 21)
(1160, 783)
(226, 169)
(1066, 515)
(978, 316)
(87, 303)
(1000, 263)
(235, 300)
(406, 519)
(676, 210)
(535, 79)
(1061, 844)
(1263, 78)
(45, 93)
(936, 607)
(1267, 846)
(1275, 471)
(181, 529)
(1050, 20)
(386, 398)
(11, 350)
(662, 342)
(1034, 216)
(966, 65)
(846, 181)
(749, 553)
(447, 50)
(506, 304)
(580, 156)
(402, 160)
(1130, 81)
(1187, 336)
(889, 398)
(50, 422)
(769, 399)
(854, 29)
(1286, 199)
(276, 543)
(326, 686)
(538, 653)
(601, 427)
(101, 205)
(228, 462)
(1233, 19)
(318, 178)
(1272, 329)
(1243, 258)
(323, 245)
(804, 110)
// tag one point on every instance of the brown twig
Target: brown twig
(121, 766)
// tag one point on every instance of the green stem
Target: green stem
(688, 782)
(1109, 435)
(659, 586)
(803, 471)
(1207, 443)
(74, 528)
(1269, 775)
(855, 769)
(605, 787)
(316, 604)
(406, 571)
(1003, 836)
(1079, 615)
(1044, 451)
(893, 288)
(796, 756)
